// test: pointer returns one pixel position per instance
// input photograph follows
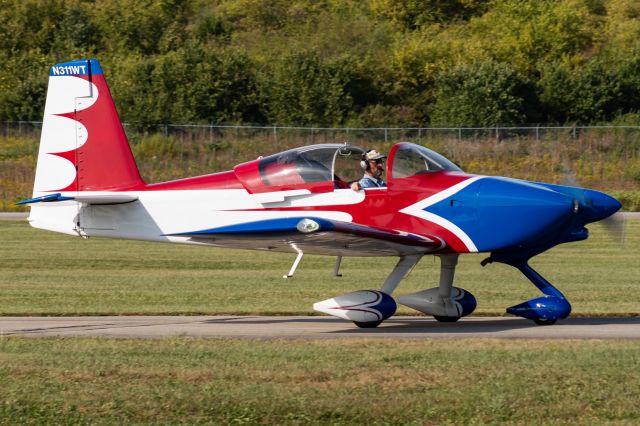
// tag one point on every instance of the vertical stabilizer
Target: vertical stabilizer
(83, 146)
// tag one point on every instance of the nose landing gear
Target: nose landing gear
(543, 310)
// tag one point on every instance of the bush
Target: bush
(305, 90)
(483, 94)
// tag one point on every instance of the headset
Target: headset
(365, 163)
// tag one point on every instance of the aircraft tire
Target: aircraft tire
(368, 324)
(541, 321)
(440, 318)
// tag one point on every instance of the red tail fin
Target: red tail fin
(83, 145)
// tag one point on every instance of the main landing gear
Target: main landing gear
(446, 303)
(368, 308)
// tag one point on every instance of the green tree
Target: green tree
(305, 90)
(595, 92)
(23, 85)
(147, 27)
(525, 33)
(412, 14)
(483, 94)
(189, 85)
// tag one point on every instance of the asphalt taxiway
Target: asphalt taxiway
(316, 327)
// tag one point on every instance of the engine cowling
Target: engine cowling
(362, 306)
(461, 303)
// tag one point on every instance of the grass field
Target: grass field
(220, 381)
(43, 273)
(248, 381)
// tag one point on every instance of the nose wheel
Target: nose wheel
(541, 321)
(543, 310)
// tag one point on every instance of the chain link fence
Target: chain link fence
(603, 157)
(277, 134)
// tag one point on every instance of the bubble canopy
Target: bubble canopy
(327, 167)
(318, 168)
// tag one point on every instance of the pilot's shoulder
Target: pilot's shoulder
(367, 182)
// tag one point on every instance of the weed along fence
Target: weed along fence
(601, 157)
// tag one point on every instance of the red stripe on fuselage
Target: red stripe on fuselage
(380, 208)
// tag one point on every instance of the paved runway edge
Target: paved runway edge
(300, 327)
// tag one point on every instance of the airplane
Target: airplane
(299, 201)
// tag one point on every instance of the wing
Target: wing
(315, 235)
(116, 198)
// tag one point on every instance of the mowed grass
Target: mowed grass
(44, 273)
(226, 381)
(248, 381)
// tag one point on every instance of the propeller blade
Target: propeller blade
(616, 227)
(568, 176)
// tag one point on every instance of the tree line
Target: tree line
(334, 62)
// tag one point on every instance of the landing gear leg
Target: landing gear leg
(336, 268)
(448, 263)
(544, 310)
(445, 303)
(295, 262)
(402, 268)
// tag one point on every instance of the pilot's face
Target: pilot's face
(376, 167)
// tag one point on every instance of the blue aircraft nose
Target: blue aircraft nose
(517, 212)
(596, 205)
(497, 213)
(512, 212)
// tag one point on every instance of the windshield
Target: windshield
(411, 159)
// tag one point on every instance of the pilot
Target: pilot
(373, 165)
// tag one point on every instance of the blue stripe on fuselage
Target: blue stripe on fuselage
(280, 225)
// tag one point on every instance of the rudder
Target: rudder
(83, 146)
